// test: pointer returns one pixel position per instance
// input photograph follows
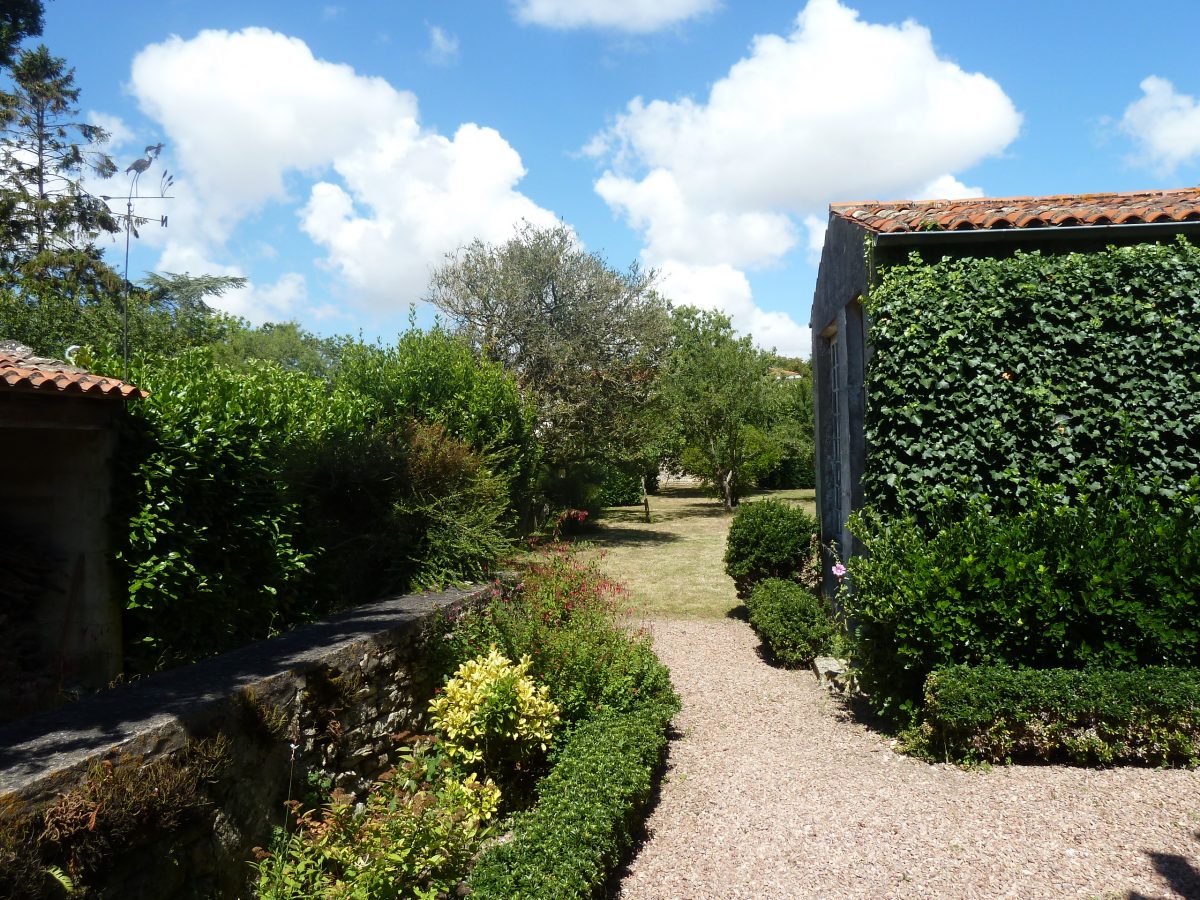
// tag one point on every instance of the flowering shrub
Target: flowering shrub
(416, 837)
(491, 713)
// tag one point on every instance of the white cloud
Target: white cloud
(1165, 125)
(639, 16)
(722, 287)
(119, 134)
(253, 117)
(675, 230)
(280, 301)
(796, 124)
(443, 47)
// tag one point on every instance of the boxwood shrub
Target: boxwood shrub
(792, 621)
(768, 539)
(1090, 582)
(1148, 716)
(588, 811)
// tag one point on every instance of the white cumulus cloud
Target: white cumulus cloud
(794, 125)
(638, 16)
(253, 118)
(1164, 124)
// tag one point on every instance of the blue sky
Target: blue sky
(333, 153)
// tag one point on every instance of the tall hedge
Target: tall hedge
(990, 372)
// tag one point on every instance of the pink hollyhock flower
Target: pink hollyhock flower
(839, 570)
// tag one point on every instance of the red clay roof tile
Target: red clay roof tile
(21, 370)
(1024, 212)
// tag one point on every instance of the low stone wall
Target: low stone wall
(162, 788)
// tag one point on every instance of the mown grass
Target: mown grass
(673, 565)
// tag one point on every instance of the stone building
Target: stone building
(865, 236)
(59, 618)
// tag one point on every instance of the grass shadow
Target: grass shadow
(630, 537)
(739, 612)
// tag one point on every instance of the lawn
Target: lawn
(673, 565)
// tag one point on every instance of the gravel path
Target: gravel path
(771, 792)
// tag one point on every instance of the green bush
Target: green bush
(792, 621)
(1090, 582)
(588, 811)
(572, 622)
(256, 498)
(1147, 716)
(987, 372)
(768, 539)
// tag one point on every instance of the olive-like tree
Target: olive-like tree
(584, 341)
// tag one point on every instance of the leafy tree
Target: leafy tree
(19, 19)
(51, 310)
(720, 392)
(584, 341)
(791, 424)
(285, 344)
(45, 153)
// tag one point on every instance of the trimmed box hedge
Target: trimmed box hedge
(588, 812)
(768, 539)
(791, 621)
(1148, 716)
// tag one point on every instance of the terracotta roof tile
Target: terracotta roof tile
(1065, 210)
(21, 370)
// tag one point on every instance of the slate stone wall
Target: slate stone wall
(233, 737)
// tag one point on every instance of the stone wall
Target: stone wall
(162, 788)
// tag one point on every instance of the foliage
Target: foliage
(258, 498)
(583, 340)
(990, 372)
(717, 388)
(768, 539)
(1095, 582)
(792, 621)
(285, 344)
(50, 310)
(492, 715)
(433, 376)
(1147, 716)
(571, 621)
(791, 425)
(588, 810)
(19, 19)
(211, 557)
(416, 837)
(45, 155)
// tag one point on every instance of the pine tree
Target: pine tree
(45, 154)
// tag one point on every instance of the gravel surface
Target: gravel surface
(771, 791)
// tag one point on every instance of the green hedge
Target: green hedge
(768, 539)
(1146, 716)
(989, 372)
(1095, 582)
(588, 812)
(792, 621)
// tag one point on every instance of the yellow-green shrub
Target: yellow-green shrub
(492, 714)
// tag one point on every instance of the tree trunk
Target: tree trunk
(646, 499)
(727, 490)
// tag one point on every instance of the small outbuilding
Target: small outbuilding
(60, 619)
(864, 238)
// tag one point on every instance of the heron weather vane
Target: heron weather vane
(132, 221)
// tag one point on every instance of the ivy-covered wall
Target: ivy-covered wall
(987, 372)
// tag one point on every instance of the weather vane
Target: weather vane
(132, 221)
